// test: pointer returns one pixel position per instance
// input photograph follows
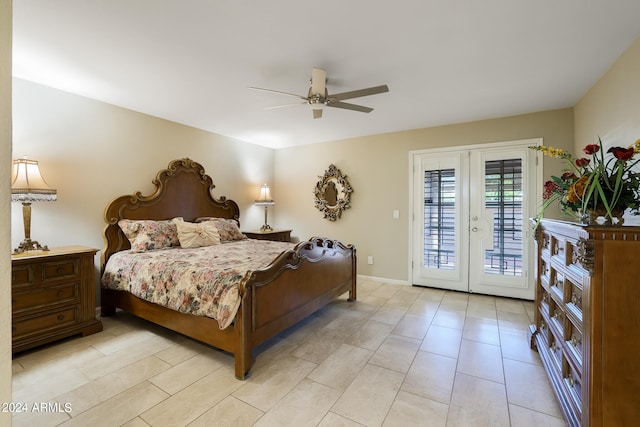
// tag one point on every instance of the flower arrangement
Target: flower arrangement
(597, 185)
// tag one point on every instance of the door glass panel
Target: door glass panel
(504, 199)
(439, 219)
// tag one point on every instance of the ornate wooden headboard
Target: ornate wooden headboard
(181, 190)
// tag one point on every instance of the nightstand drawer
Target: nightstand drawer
(275, 235)
(66, 269)
(57, 319)
(49, 296)
(22, 275)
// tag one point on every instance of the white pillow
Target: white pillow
(192, 235)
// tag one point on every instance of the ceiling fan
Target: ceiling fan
(318, 97)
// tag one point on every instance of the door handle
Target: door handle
(474, 229)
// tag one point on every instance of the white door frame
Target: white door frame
(538, 179)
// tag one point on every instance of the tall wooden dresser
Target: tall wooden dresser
(52, 296)
(587, 320)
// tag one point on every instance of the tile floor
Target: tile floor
(399, 356)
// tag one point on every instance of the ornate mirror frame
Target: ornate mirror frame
(332, 193)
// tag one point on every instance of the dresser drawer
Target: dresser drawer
(67, 269)
(574, 343)
(556, 285)
(545, 244)
(545, 300)
(556, 317)
(545, 272)
(577, 252)
(572, 381)
(42, 297)
(48, 321)
(574, 303)
(555, 349)
(559, 249)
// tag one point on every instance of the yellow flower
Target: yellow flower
(550, 151)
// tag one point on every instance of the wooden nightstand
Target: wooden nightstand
(52, 296)
(276, 235)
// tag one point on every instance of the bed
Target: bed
(299, 280)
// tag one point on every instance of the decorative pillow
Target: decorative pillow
(192, 235)
(227, 228)
(145, 234)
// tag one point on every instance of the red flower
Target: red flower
(583, 162)
(569, 176)
(591, 149)
(550, 187)
(621, 153)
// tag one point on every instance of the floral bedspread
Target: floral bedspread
(202, 281)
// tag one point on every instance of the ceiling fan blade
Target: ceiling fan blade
(285, 105)
(347, 106)
(359, 93)
(317, 113)
(318, 81)
(279, 92)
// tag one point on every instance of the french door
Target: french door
(471, 208)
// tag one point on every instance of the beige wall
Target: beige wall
(377, 167)
(611, 108)
(92, 152)
(5, 220)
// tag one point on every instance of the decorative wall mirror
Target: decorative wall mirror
(333, 193)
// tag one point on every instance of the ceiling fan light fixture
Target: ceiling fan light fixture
(316, 102)
(318, 97)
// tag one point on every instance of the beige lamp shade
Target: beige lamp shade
(264, 198)
(27, 184)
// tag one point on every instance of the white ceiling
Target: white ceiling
(445, 61)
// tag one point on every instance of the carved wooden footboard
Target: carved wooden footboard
(297, 283)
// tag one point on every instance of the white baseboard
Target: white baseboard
(382, 279)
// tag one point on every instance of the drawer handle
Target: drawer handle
(576, 300)
(575, 341)
(60, 293)
(553, 347)
(557, 282)
(60, 270)
(557, 315)
(60, 316)
(572, 382)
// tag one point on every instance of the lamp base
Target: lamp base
(28, 245)
(266, 227)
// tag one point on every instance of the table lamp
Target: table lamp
(264, 199)
(27, 186)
